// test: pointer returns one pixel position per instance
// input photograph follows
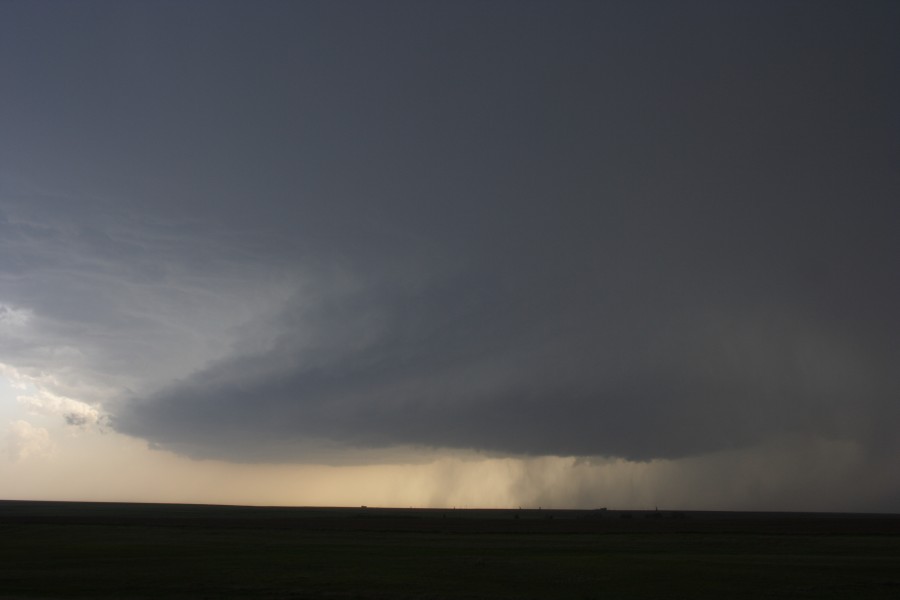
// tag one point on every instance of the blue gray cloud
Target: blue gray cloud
(294, 232)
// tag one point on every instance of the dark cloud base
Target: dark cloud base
(671, 391)
(282, 233)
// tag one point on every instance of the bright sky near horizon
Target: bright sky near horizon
(427, 253)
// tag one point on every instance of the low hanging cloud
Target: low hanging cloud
(691, 386)
(550, 238)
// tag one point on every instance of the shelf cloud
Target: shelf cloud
(304, 233)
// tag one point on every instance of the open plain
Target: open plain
(108, 550)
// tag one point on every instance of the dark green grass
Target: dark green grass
(117, 551)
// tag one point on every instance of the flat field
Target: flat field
(101, 550)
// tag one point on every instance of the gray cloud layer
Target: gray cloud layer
(640, 230)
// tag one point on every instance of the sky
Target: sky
(632, 254)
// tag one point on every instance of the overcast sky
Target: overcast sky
(589, 244)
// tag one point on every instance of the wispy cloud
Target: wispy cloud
(24, 440)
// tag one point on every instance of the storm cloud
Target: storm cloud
(319, 231)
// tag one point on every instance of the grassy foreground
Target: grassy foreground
(95, 550)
